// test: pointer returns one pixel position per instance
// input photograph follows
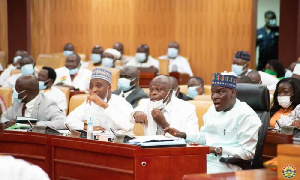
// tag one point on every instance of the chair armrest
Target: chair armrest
(234, 160)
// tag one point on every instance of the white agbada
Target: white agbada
(81, 80)
(11, 81)
(150, 62)
(179, 64)
(178, 113)
(236, 131)
(6, 74)
(18, 169)
(58, 96)
(115, 116)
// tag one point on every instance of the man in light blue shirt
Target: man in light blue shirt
(230, 126)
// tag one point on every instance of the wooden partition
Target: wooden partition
(3, 30)
(209, 31)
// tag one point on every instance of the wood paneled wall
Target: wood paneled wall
(209, 31)
(3, 29)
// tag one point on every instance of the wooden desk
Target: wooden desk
(145, 79)
(259, 174)
(271, 142)
(182, 78)
(73, 158)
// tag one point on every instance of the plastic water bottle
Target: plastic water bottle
(90, 128)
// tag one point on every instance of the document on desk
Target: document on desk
(157, 138)
(157, 141)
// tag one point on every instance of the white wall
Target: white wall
(265, 5)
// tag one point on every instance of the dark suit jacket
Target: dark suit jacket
(184, 97)
(134, 97)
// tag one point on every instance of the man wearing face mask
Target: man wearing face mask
(296, 72)
(162, 110)
(240, 66)
(143, 60)
(120, 47)
(230, 126)
(28, 102)
(289, 71)
(73, 75)
(109, 57)
(195, 87)
(46, 79)
(68, 49)
(27, 67)
(267, 40)
(15, 65)
(107, 110)
(96, 57)
(177, 62)
(128, 86)
(176, 90)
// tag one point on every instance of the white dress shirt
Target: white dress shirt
(115, 116)
(18, 169)
(81, 80)
(179, 64)
(29, 107)
(6, 74)
(236, 131)
(125, 94)
(58, 96)
(150, 62)
(178, 113)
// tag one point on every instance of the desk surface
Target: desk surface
(74, 158)
(258, 174)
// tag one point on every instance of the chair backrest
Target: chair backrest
(183, 89)
(82, 57)
(203, 98)
(66, 91)
(258, 98)
(201, 109)
(76, 100)
(147, 91)
(15, 71)
(164, 67)
(50, 60)
(207, 89)
(6, 94)
(115, 74)
(3, 61)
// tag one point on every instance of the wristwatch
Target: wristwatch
(218, 151)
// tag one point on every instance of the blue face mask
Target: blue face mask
(42, 85)
(192, 92)
(124, 84)
(68, 53)
(17, 58)
(237, 69)
(96, 58)
(73, 71)
(27, 69)
(141, 57)
(16, 96)
(172, 52)
(288, 74)
(107, 62)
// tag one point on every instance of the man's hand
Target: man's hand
(175, 132)
(96, 99)
(141, 118)
(159, 118)
(10, 123)
(296, 123)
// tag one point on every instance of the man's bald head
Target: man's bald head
(119, 46)
(254, 76)
(174, 83)
(160, 88)
(163, 81)
(174, 44)
(29, 86)
(130, 71)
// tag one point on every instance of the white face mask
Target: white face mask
(284, 101)
(159, 104)
(108, 62)
(141, 57)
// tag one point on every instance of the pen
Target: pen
(278, 124)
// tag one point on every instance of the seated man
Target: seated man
(28, 102)
(73, 75)
(15, 65)
(46, 79)
(230, 126)
(296, 72)
(243, 79)
(195, 87)
(143, 60)
(254, 76)
(129, 87)
(177, 63)
(96, 56)
(68, 49)
(162, 110)
(107, 110)
(289, 71)
(27, 67)
(176, 90)
(240, 66)
(119, 47)
(109, 57)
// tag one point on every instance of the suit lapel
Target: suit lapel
(132, 95)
